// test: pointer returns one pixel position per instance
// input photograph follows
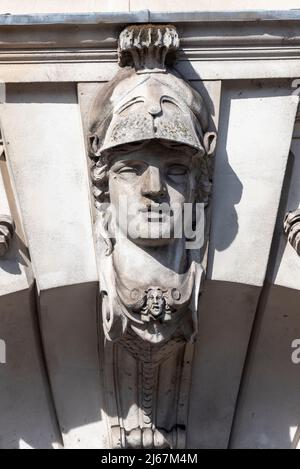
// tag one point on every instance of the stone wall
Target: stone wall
(68, 6)
(244, 385)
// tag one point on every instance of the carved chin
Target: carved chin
(152, 242)
(154, 234)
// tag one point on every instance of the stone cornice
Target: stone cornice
(216, 43)
(147, 16)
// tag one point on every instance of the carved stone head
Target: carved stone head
(148, 138)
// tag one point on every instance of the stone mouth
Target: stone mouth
(156, 213)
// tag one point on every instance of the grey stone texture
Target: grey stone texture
(242, 390)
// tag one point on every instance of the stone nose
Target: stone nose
(153, 184)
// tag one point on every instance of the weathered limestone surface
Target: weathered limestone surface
(45, 170)
(26, 408)
(268, 411)
(62, 6)
(244, 385)
(212, 5)
(27, 413)
(225, 308)
(287, 267)
(150, 141)
(267, 415)
(51, 178)
(249, 172)
(57, 6)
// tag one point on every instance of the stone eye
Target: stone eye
(177, 171)
(128, 170)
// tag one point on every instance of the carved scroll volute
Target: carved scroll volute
(7, 229)
(150, 147)
(7, 226)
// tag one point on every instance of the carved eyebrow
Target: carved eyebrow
(121, 163)
(179, 148)
(126, 148)
(176, 161)
(177, 165)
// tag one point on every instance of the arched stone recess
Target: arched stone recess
(267, 415)
(248, 180)
(52, 187)
(27, 414)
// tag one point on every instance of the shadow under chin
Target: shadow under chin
(152, 242)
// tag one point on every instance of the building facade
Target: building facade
(109, 341)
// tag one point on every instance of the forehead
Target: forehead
(153, 152)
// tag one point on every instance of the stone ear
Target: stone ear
(94, 144)
(209, 142)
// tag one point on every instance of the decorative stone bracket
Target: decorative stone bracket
(292, 229)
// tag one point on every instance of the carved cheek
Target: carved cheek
(119, 185)
(179, 192)
(116, 190)
(113, 186)
(191, 186)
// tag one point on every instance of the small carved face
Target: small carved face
(155, 301)
(154, 181)
(156, 305)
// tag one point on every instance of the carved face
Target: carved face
(156, 181)
(155, 301)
